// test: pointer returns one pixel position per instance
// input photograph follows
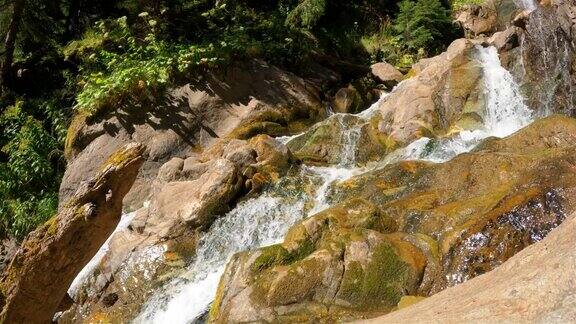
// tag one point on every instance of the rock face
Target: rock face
(188, 195)
(416, 227)
(387, 74)
(535, 286)
(443, 90)
(547, 57)
(340, 139)
(243, 101)
(36, 281)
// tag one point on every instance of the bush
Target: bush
(29, 168)
(422, 28)
(129, 63)
(424, 25)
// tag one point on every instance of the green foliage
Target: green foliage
(421, 28)
(306, 14)
(125, 63)
(131, 69)
(29, 166)
(424, 25)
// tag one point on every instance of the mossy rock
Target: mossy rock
(340, 139)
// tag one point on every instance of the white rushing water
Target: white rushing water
(93, 263)
(504, 114)
(265, 220)
(256, 222)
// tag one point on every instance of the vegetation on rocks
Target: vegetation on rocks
(102, 56)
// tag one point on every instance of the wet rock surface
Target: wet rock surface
(442, 223)
(536, 286)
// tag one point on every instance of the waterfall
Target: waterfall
(257, 222)
(504, 114)
(505, 109)
(264, 220)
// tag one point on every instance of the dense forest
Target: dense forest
(66, 57)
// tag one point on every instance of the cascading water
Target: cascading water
(93, 263)
(257, 222)
(505, 109)
(504, 114)
(264, 220)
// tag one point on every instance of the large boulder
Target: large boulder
(535, 286)
(35, 283)
(442, 91)
(439, 224)
(188, 195)
(239, 102)
(340, 263)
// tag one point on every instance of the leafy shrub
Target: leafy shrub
(424, 25)
(29, 166)
(422, 28)
(458, 4)
(306, 14)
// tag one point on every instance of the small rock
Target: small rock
(110, 299)
(346, 100)
(387, 74)
(521, 20)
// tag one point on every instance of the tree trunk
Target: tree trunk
(10, 43)
(73, 19)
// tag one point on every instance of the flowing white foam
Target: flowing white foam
(264, 220)
(329, 176)
(254, 223)
(95, 261)
(505, 113)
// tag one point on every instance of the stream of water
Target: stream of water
(264, 220)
